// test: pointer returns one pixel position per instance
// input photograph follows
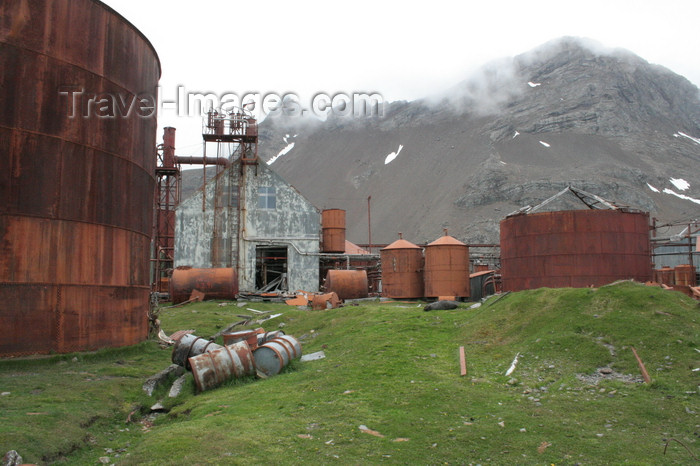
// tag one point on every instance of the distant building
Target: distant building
(247, 217)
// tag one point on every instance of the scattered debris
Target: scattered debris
(462, 362)
(309, 436)
(196, 296)
(441, 306)
(325, 301)
(682, 444)
(498, 298)
(155, 380)
(12, 458)
(347, 392)
(158, 407)
(369, 431)
(400, 439)
(176, 388)
(475, 306)
(643, 369)
(229, 328)
(543, 446)
(512, 365)
(300, 300)
(313, 356)
(502, 423)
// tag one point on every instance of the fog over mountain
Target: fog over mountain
(513, 134)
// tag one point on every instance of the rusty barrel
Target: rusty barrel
(189, 346)
(275, 355)
(252, 337)
(347, 284)
(215, 367)
(333, 230)
(267, 336)
(215, 283)
(684, 275)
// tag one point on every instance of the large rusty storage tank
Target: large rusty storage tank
(447, 268)
(402, 270)
(77, 139)
(215, 283)
(574, 248)
(333, 230)
(347, 284)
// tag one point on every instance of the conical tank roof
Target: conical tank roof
(447, 240)
(401, 244)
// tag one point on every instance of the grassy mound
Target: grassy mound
(575, 396)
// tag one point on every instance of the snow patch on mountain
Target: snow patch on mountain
(389, 158)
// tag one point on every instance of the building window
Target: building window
(266, 198)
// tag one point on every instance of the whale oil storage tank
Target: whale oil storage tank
(333, 230)
(574, 248)
(77, 138)
(402, 269)
(447, 268)
(348, 284)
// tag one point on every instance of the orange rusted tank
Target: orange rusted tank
(333, 230)
(574, 248)
(347, 284)
(665, 276)
(684, 275)
(215, 283)
(447, 268)
(402, 270)
(77, 160)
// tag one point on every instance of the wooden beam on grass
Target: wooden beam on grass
(645, 374)
(462, 362)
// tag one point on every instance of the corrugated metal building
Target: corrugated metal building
(249, 218)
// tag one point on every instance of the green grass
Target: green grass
(395, 369)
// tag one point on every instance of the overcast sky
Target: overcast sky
(400, 50)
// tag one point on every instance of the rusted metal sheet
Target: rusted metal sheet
(447, 268)
(347, 284)
(402, 270)
(333, 230)
(576, 248)
(215, 283)
(76, 176)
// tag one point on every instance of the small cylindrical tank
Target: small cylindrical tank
(446, 268)
(402, 270)
(347, 284)
(215, 283)
(574, 248)
(333, 230)
(684, 275)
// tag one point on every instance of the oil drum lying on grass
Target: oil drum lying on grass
(215, 367)
(252, 337)
(275, 355)
(189, 346)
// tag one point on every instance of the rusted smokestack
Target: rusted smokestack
(169, 147)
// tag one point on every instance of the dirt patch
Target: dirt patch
(605, 373)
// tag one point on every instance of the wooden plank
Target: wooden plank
(645, 374)
(462, 362)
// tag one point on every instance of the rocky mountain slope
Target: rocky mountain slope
(513, 134)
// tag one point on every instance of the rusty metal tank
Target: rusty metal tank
(333, 230)
(78, 87)
(574, 248)
(665, 275)
(215, 283)
(402, 270)
(347, 284)
(684, 275)
(446, 268)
